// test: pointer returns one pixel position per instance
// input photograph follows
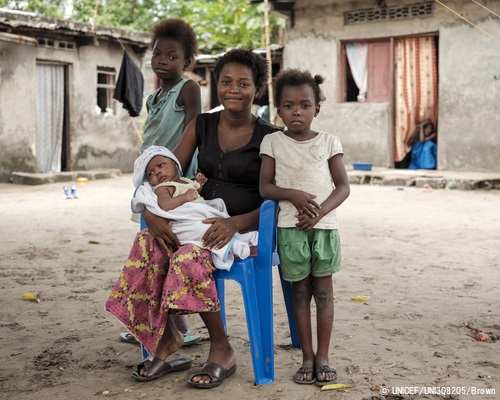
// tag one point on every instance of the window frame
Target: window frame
(389, 78)
(105, 91)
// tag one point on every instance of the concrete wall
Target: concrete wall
(100, 140)
(469, 93)
(17, 103)
(96, 141)
(469, 117)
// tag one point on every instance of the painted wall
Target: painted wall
(469, 117)
(97, 140)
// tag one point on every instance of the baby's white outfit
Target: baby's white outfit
(186, 220)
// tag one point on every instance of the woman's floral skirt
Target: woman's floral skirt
(147, 290)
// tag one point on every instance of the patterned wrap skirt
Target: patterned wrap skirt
(148, 290)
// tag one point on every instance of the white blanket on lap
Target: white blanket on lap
(186, 223)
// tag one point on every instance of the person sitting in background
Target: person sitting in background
(423, 146)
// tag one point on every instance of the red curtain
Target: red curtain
(416, 88)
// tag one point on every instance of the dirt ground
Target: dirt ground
(426, 260)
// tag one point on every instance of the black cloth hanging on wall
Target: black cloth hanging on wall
(129, 87)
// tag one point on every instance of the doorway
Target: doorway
(52, 122)
(415, 91)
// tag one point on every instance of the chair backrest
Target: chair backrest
(267, 231)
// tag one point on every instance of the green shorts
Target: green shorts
(315, 253)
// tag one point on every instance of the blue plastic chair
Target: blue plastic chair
(254, 275)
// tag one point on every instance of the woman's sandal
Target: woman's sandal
(217, 374)
(324, 369)
(305, 371)
(158, 367)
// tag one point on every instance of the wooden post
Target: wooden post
(94, 20)
(268, 56)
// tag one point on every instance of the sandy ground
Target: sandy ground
(428, 262)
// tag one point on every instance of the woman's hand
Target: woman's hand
(303, 202)
(219, 234)
(160, 229)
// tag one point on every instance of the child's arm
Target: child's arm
(302, 201)
(190, 98)
(336, 198)
(187, 145)
(167, 202)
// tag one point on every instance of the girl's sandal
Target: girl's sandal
(304, 371)
(324, 369)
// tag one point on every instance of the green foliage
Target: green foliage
(220, 24)
(49, 8)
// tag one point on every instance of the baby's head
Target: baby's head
(161, 169)
(156, 164)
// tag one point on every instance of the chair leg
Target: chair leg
(266, 314)
(286, 287)
(260, 330)
(145, 354)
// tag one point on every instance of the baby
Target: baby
(161, 188)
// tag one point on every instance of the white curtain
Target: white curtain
(357, 55)
(49, 116)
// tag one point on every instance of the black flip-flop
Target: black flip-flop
(323, 370)
(304, 371)
(217, 374)
(158, 368)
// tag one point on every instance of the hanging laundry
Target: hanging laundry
(129, 87)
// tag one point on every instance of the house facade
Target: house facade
(391, 64)
(57, 111)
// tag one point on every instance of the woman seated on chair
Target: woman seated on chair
(178, 279)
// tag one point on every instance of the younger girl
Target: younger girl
(303, 170)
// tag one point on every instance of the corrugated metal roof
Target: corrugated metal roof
(23, 21)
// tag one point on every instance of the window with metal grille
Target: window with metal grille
(105, 88)
(408, 11)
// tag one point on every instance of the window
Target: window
(376, 66)
(105, 89)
